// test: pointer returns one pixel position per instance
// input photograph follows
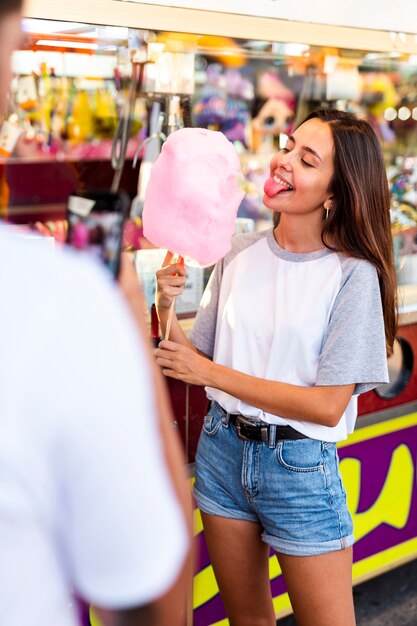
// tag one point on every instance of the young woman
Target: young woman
(295, 323)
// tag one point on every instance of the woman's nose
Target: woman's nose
(285, 161)
(282, 160)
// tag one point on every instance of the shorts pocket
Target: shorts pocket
(212, 424)
(301, 455)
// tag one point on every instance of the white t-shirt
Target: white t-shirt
(304, 319)
(86, 502)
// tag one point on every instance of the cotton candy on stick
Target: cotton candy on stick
(193, 196)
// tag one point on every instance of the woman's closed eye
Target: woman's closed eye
(303, 161)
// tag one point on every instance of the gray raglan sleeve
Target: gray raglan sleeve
(354, 349)
(203, 333)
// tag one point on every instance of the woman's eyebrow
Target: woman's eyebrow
(306, 148)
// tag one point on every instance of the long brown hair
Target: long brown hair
(359, 222)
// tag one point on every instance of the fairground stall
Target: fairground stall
(97, 88)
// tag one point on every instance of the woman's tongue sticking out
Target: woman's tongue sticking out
(273, 187)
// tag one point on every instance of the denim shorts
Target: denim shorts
(292, 488)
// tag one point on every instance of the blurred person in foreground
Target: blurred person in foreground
(93, 492)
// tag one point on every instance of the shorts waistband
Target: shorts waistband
(248, 430)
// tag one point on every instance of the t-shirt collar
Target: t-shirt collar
(296, 257)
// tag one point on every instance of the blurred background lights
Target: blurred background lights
(390, 114)
(404, 113)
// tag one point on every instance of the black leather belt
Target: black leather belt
(248, 431)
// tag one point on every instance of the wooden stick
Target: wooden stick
(175, 259)
(169, 321)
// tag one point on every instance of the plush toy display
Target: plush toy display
(272, 112)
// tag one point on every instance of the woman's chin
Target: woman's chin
(270, 203)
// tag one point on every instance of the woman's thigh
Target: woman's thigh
(320, 588)
(240, 562)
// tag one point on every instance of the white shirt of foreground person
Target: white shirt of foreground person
(86, 502)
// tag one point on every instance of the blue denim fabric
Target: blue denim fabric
(292, 488)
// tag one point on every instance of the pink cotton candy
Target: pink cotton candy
(193, 195)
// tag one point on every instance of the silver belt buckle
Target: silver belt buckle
(240, 420)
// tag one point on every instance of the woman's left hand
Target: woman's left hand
(178, 361)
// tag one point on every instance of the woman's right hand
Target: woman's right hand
(170, 281)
